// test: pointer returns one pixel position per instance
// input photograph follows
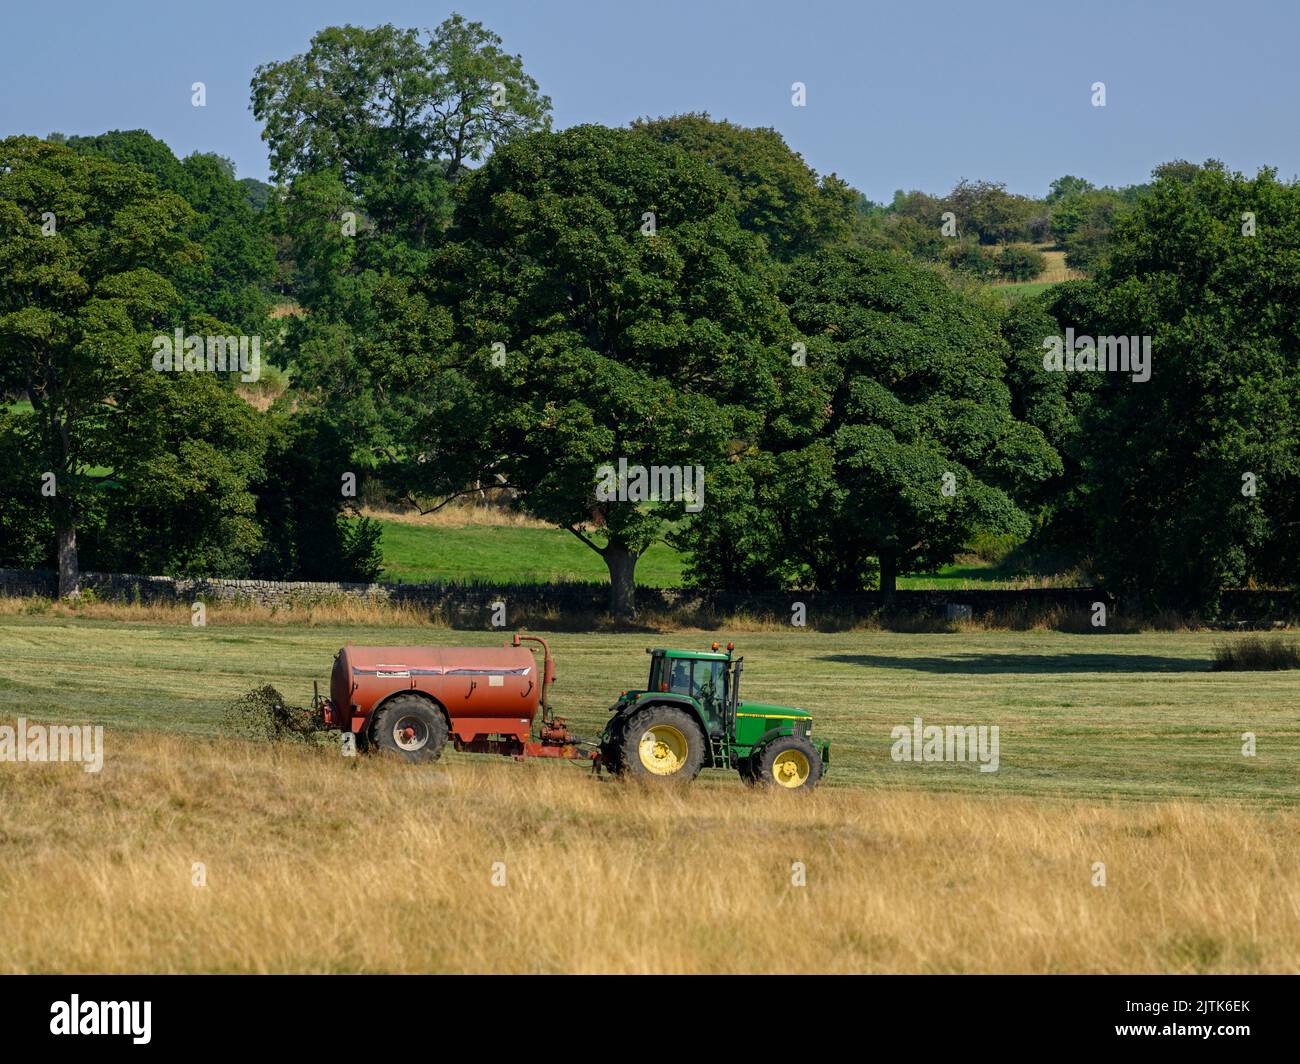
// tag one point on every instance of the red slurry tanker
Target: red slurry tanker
(411, 700)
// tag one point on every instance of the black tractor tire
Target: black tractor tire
(410, 727)
(746, 769)
(611, 756)
(675, 753)
(788, 763)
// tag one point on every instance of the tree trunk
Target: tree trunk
(69, 566)
(621, 563)
(888, 574)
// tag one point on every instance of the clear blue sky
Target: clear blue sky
(900, 94)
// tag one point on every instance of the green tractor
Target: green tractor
(690, 717)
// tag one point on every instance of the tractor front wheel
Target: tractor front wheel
(411, 727)
(660, 743)
(790, 762)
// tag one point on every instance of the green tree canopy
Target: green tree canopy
(776, 194)
(637, 320)
(912, 449)
(987, 210)
(1068, 185)
(88, 253)
(1195, 473)
(1082, 224)
(231, 278)
(368, 131)
(396, 114)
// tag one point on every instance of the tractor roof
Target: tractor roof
(701, 655)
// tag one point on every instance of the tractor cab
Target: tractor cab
(711, 678)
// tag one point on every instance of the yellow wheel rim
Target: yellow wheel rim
(791, 768)
(662, 749)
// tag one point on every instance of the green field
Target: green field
(1012, 292)
(1135, 717)
(507, 555)
(416, 554)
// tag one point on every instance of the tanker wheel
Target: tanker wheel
(661, 743)
(790, 762)
(411, 727)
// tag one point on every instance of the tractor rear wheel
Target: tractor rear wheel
(660, 743)
(411, 727)
(611, 750)
(790, 762)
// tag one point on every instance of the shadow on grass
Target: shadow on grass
(976, 664)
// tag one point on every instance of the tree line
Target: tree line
(981, 230)
(457, 295)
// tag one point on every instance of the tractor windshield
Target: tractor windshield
(704, 680)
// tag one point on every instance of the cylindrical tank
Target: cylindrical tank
(484, 690)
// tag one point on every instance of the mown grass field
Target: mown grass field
(1124, 750)
(1080, 716)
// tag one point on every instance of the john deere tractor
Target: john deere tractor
(690, 717)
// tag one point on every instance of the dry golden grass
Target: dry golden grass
(349, 610)
(259, 398)
(1054, 269)
(1256, 652)
(315, 863)
(461, 513)
(334, 611)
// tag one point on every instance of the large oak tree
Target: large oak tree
(911, 447)
(1194, 474)
(637, 320)
(88, 250)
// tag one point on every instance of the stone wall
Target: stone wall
(562, 597)
(471, 602)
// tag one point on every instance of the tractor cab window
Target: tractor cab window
(710, 681)
(672, 675)
(704, 680)
(658, 674)
(710, 678)
(681, 678)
